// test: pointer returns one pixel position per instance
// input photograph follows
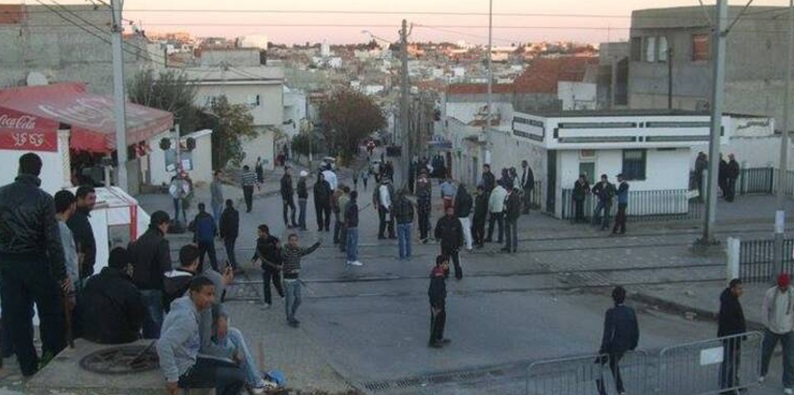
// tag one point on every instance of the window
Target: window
(663, 49)
(253, 100)
(208, 101)
(636, 49)
(649, 47)
(634, 164)
(701, 48)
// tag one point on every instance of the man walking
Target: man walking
(480, 215)
(463, 205)
(303, 196)
(382, 200)
(351, 225)
(731, 323)
(204, 231)
(216, 190)
(404, 215)
(268, 252)
(291, 255)
(424, 204)
(437, 293)
(527, 184)
(322, 203)
(32, 267)
(151, 259)
(341, 203)
(248, 182)
(621, 334)
(777, 315)
(82, 231)
(731, 176)
(512, 213)
(580, 190)
(605, 192)
(450, 233)
(496, 208)
(623, 202)
(287, 199)
(229, 230)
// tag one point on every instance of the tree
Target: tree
(349, 117)
(168, 91)
(302, 141)
(230, 124)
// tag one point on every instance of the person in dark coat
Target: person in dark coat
(621, 334)
(437, 293)
(177, 281)
(80, 226)
(322, 203)
(112, 310)
(512, 212)
(303, 196)
(605, 192)
(287, 192)
(463, 207)
(623, 203)
(151, 258)
(450, 233)
(580, 190)
(229, 230)
(527, 185)
(701, 165)
(731, 176)
(268, 252)
(722, 176)
(480, 215)
(424, 192)
(488, 180)
(731, 323)
(204, 232)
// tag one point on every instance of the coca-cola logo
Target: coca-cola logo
(23, 122)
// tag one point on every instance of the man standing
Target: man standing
(777, 315)
(424, 203)
(65, 207)
(623, 202)
(621, 334)
(447, 192)
(351, 225)
(527, 184)
(151, 259)
(732, 175)
(580, 190)
(204, 231)
(437, 293)
(248, 182)
(604, 191)
(341, 203)
(512, 212)
(83, 233)
(382, 200)
(463, 205)
(322, 203)
(404, 215)
(268, 252)
(178, 348)
(291, 255)
(179, 189)
(480, 215)
(488, 180)
(450, 233)
(731, 323)
(32, 267)
(287, 200)
(229, 230)
(722, 177)
(496, 208)
(303, 196)
(701, 165)
(216, 189)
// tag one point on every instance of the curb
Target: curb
(678, 308)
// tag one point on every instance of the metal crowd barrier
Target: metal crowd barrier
(585, 375)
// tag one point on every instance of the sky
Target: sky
(343, 21)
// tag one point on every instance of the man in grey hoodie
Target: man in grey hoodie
(179, 344)
(777, 314)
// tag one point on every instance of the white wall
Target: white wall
(577, 95)
(663, 169)
(260, 146)
(270, 110)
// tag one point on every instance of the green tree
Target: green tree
(170, 91)
(301, 143)
(349, 117)
(231, 124)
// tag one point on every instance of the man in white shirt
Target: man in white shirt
(777, 315)
(381, 199)
(496, 208)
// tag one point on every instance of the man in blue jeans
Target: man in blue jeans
(291, 256)
(151, 259)
(351, 223)
(404, 215)
(605, 192)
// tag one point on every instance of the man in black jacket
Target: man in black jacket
(81, 229)
(449, 232)
(527, 185)
(112, 308)
(404, 215)
(287, 192)
(32, 266)
(512, 212)
(303, 196)
(437, 293)
(268, 252)
(177, 281)
(322, 203)
(151, 258)
(463, 205)
(731, 323)
(621, 334)
(605, 192)
(488, 180)
(730, 178)
(230, 229)
(480, 215)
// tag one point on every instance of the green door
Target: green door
(588, 169)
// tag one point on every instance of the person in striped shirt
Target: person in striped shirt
(248, 181)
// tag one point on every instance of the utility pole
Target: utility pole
(780, 213)
(670, 78)
(119, 97)
(487, 130)
(718, 57)
(404, 92)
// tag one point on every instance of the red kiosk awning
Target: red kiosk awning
(30, 116)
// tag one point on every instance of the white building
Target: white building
(261, 89)
(253, 41)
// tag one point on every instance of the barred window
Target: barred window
(634, 164)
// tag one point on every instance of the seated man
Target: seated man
(178, 346)
(177, 281)
(111, 307)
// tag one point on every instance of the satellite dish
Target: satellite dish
(36, 79)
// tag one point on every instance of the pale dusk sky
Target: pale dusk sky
(576, 20)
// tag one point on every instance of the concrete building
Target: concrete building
(239, 57)
(680, 39)
(261, 89)
(34, 38)
(253, 41)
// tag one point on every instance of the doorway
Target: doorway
(551, 181)
(588, 169)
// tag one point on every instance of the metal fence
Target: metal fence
(711, 366)
(756, 259)
(669, 204)
(586, 374)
